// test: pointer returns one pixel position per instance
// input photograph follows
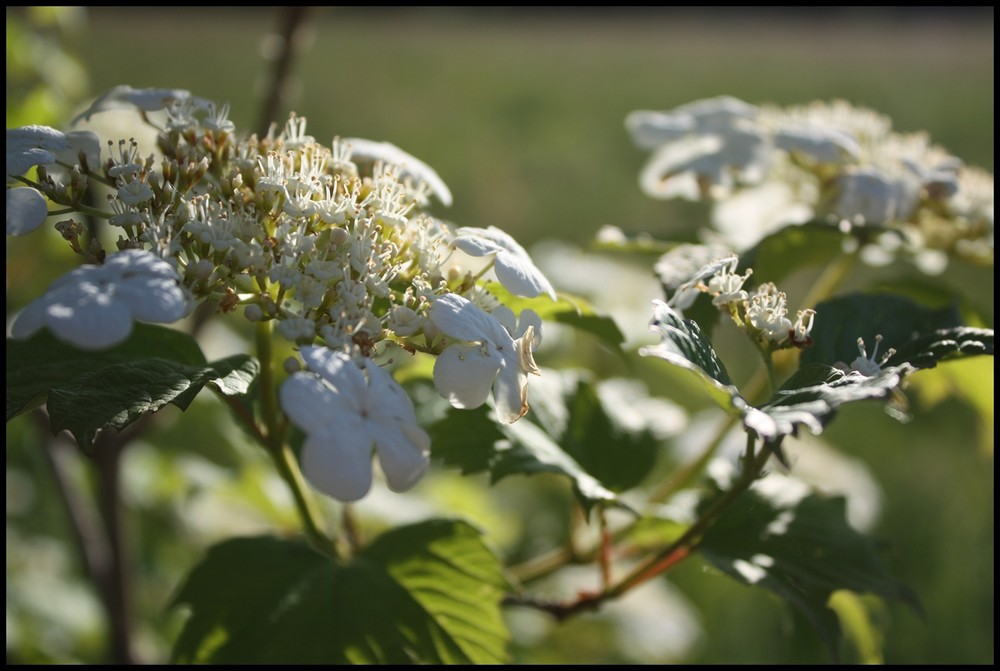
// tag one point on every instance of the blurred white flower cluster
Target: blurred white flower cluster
(768, 167)
(330, 242)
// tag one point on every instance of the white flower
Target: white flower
(344, 415)
(868, 366)
(870, 196)
(411, 166)
(29, 146)
(767, 311)
(27, 209)
(514, 268)
(124, 96)
(727, 286)
(465, 373)
(93, 307)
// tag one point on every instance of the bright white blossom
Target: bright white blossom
(770, 167)
(93, 307)
(345, 412)
(514, 268)
(491, 356)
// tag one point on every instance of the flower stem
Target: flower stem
(276, 445)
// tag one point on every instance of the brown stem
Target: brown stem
(291, 23)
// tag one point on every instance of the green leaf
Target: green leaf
(813, 395)
(618, 455)
(40, 363)
(927, 349)
(570, 310)
(474, 442)
(427, 593)
(841, 321)
(684, 345)
(804, 551)
(790, 249)
(119, 394)
(465, 439)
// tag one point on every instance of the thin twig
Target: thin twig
(290, 32)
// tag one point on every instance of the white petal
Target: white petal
(661, 177)
(308, 402)
(403, 452)
(154, 299)
(27, 209)
(338, 462)
(369, 150)
(476, 245)
(392, 403)
(510, 391)
(717, 112)
(530, 318)
(88, 143)
(28, 146)
(464, 374)
(458, 317)
(338, 369)
(519, 276)
(30, 319)
(94, 321)
(651, 129)
(823, 145)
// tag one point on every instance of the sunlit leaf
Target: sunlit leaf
(427, 593)
(801, 548)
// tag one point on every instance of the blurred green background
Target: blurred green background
(521, 111)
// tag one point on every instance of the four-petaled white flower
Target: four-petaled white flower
(93, 307)
(344, 414)
(491, 358)
(514, 268)
(29, 146)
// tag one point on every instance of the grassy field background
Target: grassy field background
(521, 112)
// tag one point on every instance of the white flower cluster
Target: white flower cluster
(762, 314)
(769, 167)
(331, 242)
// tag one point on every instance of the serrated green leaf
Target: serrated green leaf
(839, 323)
(571, 310)
(236, 374)
(116, 395)
(428, 593)
(927, 349)
(684, 345)
(40, 363)
(813, 395)
(803, 551)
